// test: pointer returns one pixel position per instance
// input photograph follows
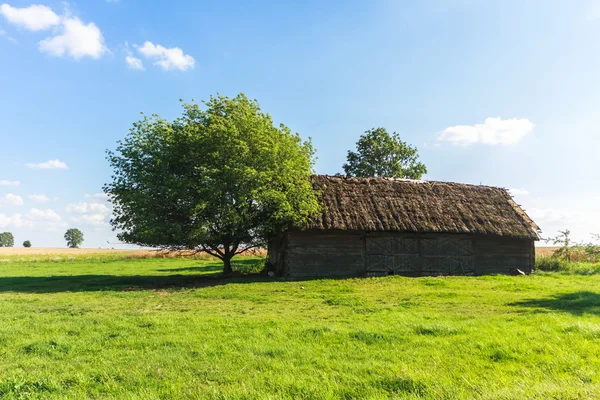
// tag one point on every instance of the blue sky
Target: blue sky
(502, 93)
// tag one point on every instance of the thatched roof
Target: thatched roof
(401, 205)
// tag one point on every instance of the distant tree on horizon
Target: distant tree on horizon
(27, 243)
(74, 238)
(379, 154)
(7, 239)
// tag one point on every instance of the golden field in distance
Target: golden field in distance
(22, 251)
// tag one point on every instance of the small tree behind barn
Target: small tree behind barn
(221, 179)
(384, 155)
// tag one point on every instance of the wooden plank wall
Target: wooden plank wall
(309, 254)
(497, 255)
(325, 254)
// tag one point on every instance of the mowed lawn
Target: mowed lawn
(168, 329)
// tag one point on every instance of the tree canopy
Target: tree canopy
(380, 154)
(7, 239)
(221, 178)
(74, 238)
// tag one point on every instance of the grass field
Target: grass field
(157, 328)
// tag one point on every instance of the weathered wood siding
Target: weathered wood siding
(498, 255)
(313, 254)
(324, 254)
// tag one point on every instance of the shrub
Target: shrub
(27, 243)
(556, 264)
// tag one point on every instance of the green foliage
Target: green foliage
(7, 239)
(578, 252)
(221, 179)
(74, 237)
(380, 154)
(173, 329)
(27, 243)
(556, 264)
(571, 258)
(564, 240)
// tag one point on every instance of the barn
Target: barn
(382, 226)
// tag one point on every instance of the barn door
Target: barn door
(448, 256)
(392, 255)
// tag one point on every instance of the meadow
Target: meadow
(118, 327)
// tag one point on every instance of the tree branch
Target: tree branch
(218, 253)
(240, 251)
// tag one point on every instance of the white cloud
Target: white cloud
(36, 214)
(40, 198)
(493, 131)
(90, 219)
(16, 220)
(94, 213)
(85, 207)
(50, 164)
(71, 36)
(518, 192)
(5, 220)
(134, 63)
(167, 58)
(4, 182)
(34, 18)
(11, 200)
(75, 39)
(564, 215)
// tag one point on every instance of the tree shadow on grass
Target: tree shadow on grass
(209, 275)
(204, 268)
(576, 303)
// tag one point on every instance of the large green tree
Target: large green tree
(222, 178)
(383, 155)
(74, 238)
(7, 239)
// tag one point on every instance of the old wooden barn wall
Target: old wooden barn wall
(309, 254)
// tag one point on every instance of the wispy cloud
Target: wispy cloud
(11, 200)
(5, 182)
(519, 192)
(40, 198)
(85, 207)
(14, 220)
(167, 58)
(43, 215)
(134, 63)
(50, 164)
(93, 213)
(494, 131)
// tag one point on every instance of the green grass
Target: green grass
(562, 266)
(170, 329)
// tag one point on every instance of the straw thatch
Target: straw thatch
(399, 205)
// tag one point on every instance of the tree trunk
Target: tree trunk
(227, 266)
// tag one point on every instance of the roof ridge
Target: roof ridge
(392, 179)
